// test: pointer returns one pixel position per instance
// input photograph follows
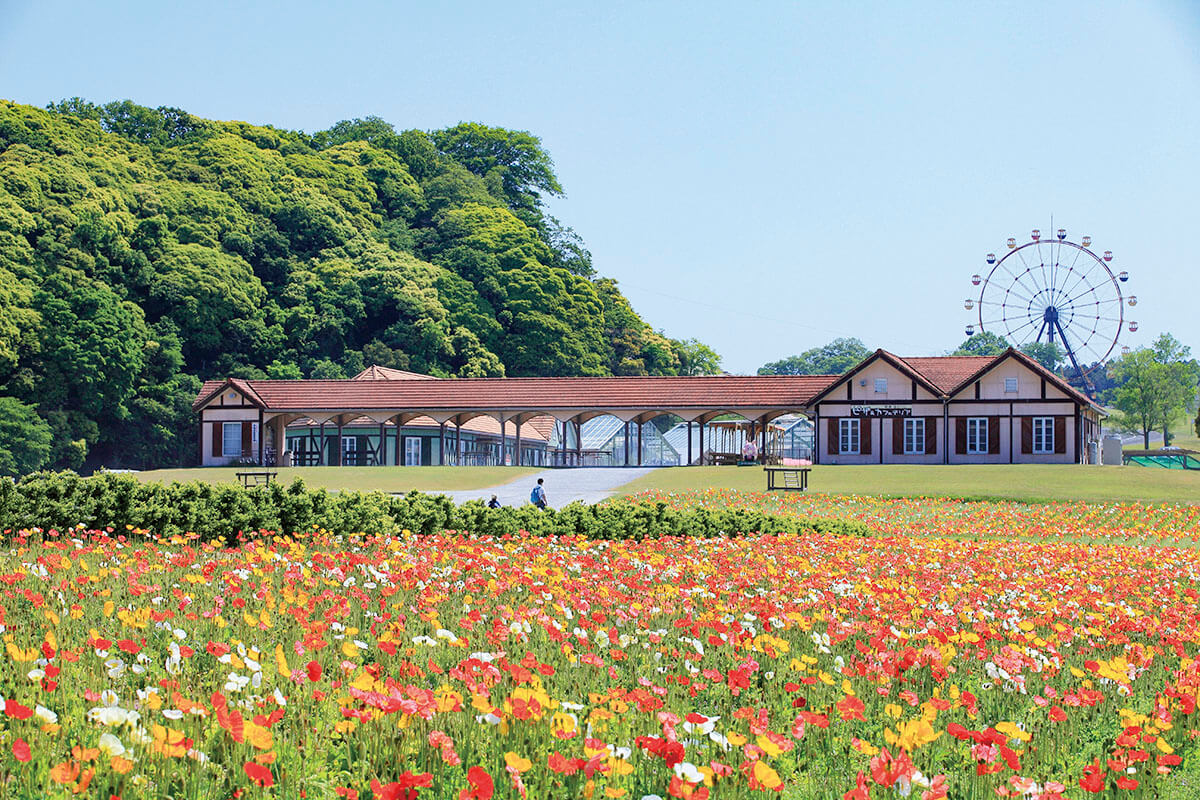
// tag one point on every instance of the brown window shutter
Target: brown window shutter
(1060, 434)
(897, 436)
(993, 435)
(245, 439)
(833, 447)
(1026, 435)
(864, 436)
(217, 440)
(931, 436)
(960, 435)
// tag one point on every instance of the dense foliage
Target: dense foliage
(63, 500)
(832, 359)
(144, 249)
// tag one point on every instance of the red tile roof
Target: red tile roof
(947, 372)
(534, 394)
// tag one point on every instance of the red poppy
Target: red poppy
(259, 774)
(314, 671)
(20, 750)
(481, 787)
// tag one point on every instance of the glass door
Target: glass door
(412, 451)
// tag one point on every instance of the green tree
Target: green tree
(984, 343)
(832, 359)
(697, 358)
(513, 161)
(1144, 392)
(1048, 354)
(1181, 374)
(24, 438)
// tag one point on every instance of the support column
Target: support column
(762, 450)
(458, 449)
(578, 443)
(639, 443)
(563, 448)
(627, 443)
(323, 447)
(341, 454)
(503, 441)
(689, 435)
(702, 443)
(381, 450)
(442, 443)
(517, 447)
(399, 441)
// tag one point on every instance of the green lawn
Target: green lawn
(1011, 481)
(366, 479)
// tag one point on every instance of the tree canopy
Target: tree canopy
(984, 343)
(1155, 386)
(143, 250)
(832, 359)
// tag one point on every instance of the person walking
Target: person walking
(494, 502)
(538, 495)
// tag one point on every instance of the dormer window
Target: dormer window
(881, 386)
(1010, 385)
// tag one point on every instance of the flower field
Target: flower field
(966, 651)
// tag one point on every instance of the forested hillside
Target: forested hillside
(143, 250)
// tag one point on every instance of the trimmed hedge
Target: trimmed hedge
(63, 500)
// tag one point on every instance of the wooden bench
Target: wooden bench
(257, 477)
(795, 479)
(722, 459)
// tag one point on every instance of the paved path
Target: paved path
(563, 486)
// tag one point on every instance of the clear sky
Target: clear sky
(763, 176)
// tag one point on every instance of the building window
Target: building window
(977, 435)
(914, 437)
(1010, 385)
(1043, 434)
(848, 436)
(881, 386)
(231, 439)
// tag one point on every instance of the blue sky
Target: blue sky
(764, 178)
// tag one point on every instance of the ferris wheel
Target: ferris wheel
(1054, 291)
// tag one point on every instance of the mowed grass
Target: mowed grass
(1026, 482)
(396, 480)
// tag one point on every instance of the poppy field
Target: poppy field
(961, 651)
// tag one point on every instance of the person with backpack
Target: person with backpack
(538, 495)
(494, 502)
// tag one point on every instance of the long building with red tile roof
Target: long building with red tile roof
(916, 401)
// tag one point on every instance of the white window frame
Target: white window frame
(1010, 385)
(977, 436)
(236, 450)
(1043, 435)
(849, 441)
(914, 436)
(881, 386)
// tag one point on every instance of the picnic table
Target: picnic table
(261, 477)
(794, 479)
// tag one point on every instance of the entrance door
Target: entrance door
(350, 450)
(412, 451)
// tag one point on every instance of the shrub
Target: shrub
(63, 500)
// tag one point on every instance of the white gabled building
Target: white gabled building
(952, 410)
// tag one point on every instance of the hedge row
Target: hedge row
(63, 500)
